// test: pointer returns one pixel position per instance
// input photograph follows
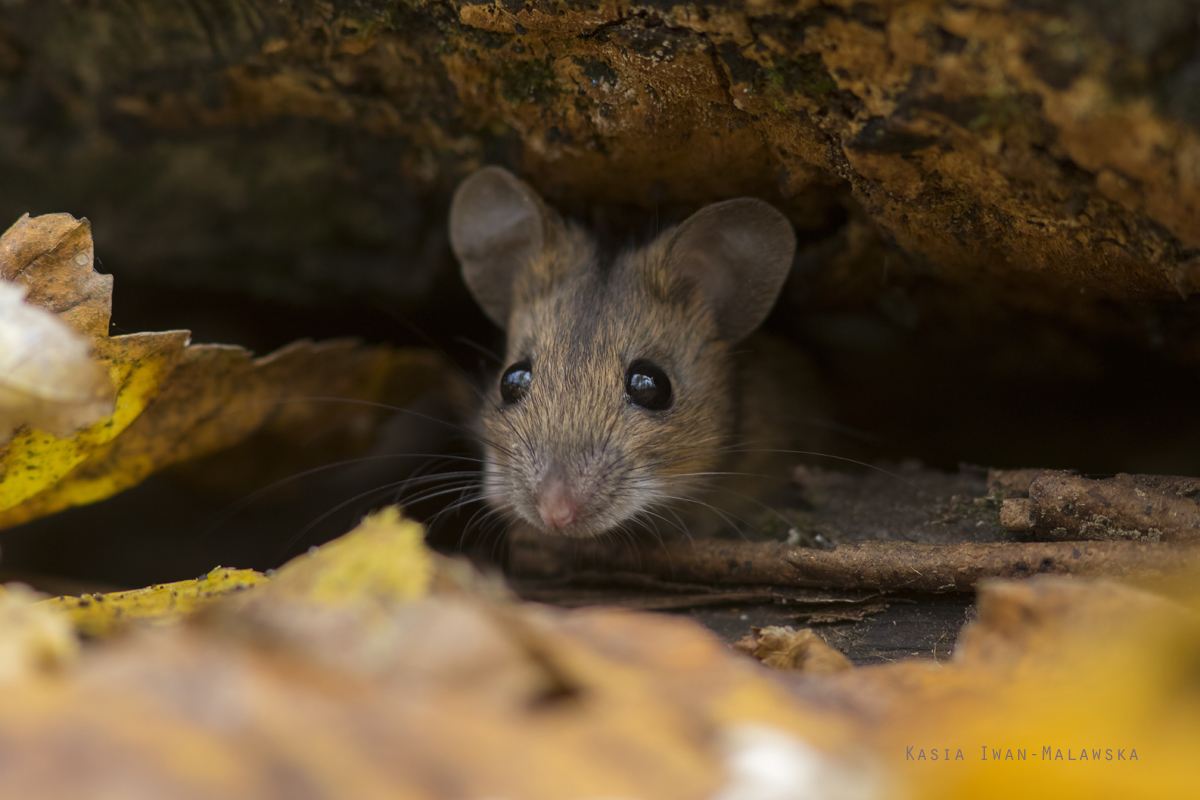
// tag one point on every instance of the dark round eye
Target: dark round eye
(647, 386)
(514, 383)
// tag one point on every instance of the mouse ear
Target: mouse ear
(739, 253)
(498, 227)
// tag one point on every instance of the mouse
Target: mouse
(636, 392)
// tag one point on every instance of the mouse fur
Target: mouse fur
(575, 456)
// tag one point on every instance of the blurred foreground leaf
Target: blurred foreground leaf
(385, 558)
(1060, 688)
(373, 668)
(33, 638)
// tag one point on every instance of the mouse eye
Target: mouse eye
(514, 383)
(647, 386)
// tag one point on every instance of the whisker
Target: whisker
(439, 490)
(831, 456)
(724, 515)
(376, 490)
(300, 535)
(234, 508)
(384, 406)
(479, 348)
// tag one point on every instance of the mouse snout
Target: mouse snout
(557, 504)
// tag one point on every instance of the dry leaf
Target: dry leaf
(215, 396)
(33, 639)
(1052, 667)
(356, 673)
(426, 693)
(383, 559)
(52, 256)
(48, 378)
(104, 614)
(177, 401)
(786, 648)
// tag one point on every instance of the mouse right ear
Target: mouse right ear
(498, 227)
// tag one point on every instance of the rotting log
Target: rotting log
(1022, 153)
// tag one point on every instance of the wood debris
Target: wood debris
(908, 566)
(1061, 506)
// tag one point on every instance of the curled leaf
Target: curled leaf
(174, 401)
(801, 650)
(48, 378)
(52, 256)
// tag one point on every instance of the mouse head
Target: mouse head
(617, 398)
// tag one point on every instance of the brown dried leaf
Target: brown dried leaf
(51, 256)
(381, 693)
(786, 648)
(1051, 662)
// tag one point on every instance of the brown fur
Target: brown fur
(580, 325)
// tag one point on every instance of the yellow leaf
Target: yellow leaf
(175, 401)
(383, 559)
(36, 460)
(102, 614)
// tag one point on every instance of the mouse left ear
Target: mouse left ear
(738, 253)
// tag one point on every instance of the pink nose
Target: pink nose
(557, 507)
